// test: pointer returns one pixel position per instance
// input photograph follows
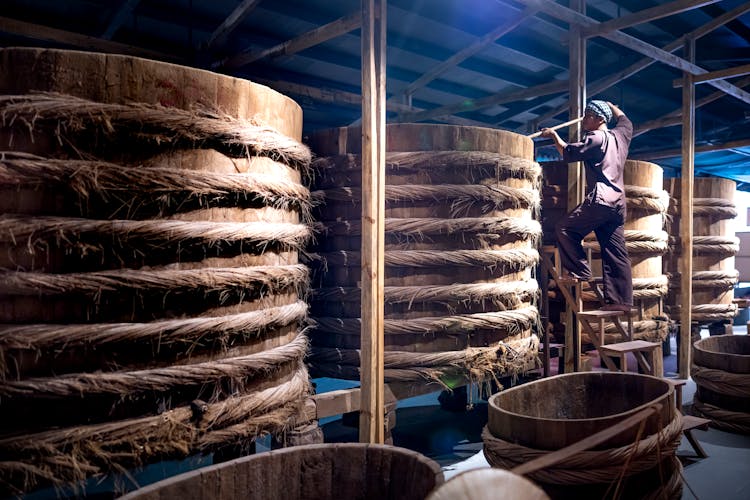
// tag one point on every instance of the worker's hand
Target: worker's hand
(616, 111)
(547, 132)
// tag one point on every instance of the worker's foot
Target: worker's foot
(571, 278)
(616, 307)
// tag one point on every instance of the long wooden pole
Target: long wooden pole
(372, 375)
(561, 125)
(686, 212)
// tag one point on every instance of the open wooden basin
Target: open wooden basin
(315, 472)
(557, 411)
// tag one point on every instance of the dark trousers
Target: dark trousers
(607, 224)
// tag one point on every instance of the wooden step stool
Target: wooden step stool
(648, 355)
(556, 351)
(689, 422)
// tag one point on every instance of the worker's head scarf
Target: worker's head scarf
(600, 109)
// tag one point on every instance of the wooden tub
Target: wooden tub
(528, 421)
(314, 472)
(721, 370)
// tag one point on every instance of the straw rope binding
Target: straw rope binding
(515, 259)
(420, 229)
(722, 382)
(638, 241)
(470, 292)
(595, 466)
(61, 456)
(152, 123)
(733, 421)
(477, 164)
(269, 278)
(722, 280)
(42, 231)
(479, 364)
(511, 321)
(121, 183)
(461, 196)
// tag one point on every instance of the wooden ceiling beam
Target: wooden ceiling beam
(604, 83)
(314, 37)
(570, 16)
(716, 75)
(644, 16)
(705, 148)
(47, 34)
(675, 118)
(553, 87)
(349, 99)
(118, 19)
(229, 24)
(469, 51)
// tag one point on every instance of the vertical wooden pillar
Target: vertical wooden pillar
(686, 210)
(576, 181)
(372, 414)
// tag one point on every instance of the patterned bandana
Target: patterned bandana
(600, 109)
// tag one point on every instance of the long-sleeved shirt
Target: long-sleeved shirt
(603, 153)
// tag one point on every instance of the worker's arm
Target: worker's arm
(559, 143)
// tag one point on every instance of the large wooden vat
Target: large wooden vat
(714, 248)
(645, 239)
(151, 219)
(527, 421)
(721, 370)
(460, 245)
(314, 472)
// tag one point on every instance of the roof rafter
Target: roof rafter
(675, 117)
(121, 15)
(604, 83)
(313, 37)
(644, 16)
(571, 16)
(45, 33)
(229, 24)
(469, 51)
(553, 87)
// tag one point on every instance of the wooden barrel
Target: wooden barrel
(460, 245)
(714, 248)
(488, 484)
(554, 198)
(314, 472)
(645, 239)
(151, 220)
(527, 421)
(721, 370)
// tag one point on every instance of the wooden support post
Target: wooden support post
(372, 375)
(686, 211)
(577, 65)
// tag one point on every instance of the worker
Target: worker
(603, 152)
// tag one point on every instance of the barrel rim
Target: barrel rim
(493, 406)
(703, 344)
(88, 53)
(329, 447)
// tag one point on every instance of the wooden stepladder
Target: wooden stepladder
(648, 354)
